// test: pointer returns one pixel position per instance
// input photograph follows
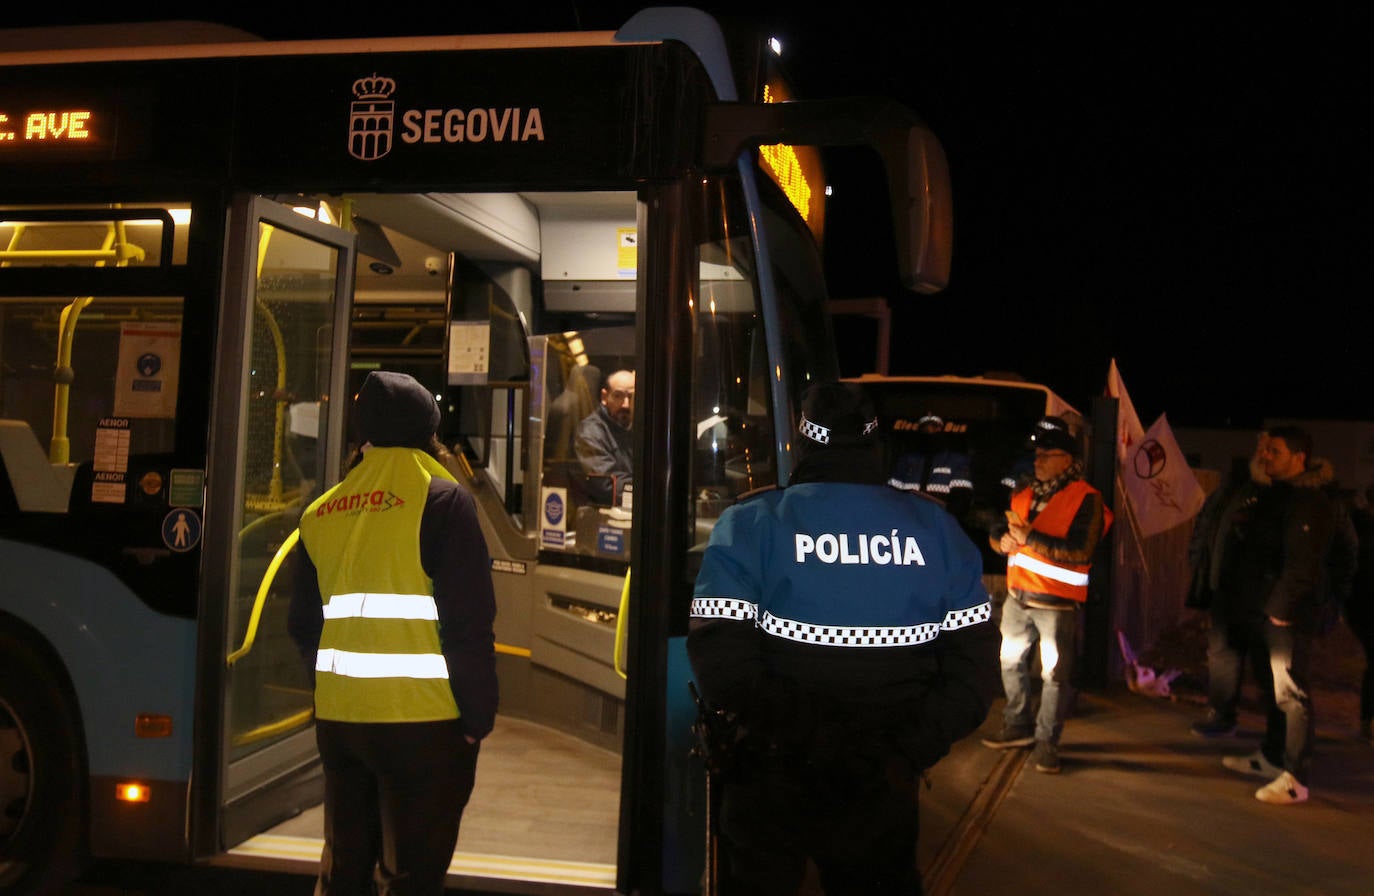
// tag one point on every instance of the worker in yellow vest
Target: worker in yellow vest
(393, 613)
(1049, 536)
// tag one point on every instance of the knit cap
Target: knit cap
(393, 410)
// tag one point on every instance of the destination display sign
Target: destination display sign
(34, 129)
(91, 122)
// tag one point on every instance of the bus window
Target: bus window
(118, 235)
(736, 436)
(87, 382)
(597, 508)
(115, 389)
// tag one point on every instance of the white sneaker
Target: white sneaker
(1253, 764)
(1282, 791)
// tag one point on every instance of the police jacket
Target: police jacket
(1274, 551)
(394, 607)
(1057, 556)
(845, 604)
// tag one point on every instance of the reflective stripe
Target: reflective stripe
(381, 665)
(364, 605)
(723, 608)
(840, 635)
(1048, 570)
(956, 619)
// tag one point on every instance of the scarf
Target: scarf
(1041, 492)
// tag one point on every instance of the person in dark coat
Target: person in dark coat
(603, 441)
(1228, 650)
(1271, 594)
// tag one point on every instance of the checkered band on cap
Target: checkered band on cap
(821, 434)
(815, 432)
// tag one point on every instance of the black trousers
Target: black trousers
(854, 815)
(394, 795)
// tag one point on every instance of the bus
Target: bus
(207, 240)
(984, 419)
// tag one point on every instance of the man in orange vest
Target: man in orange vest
(1049, 536)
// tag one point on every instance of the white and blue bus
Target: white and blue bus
(207, 239)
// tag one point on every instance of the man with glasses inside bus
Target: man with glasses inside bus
(603, 441)
(1049, 536)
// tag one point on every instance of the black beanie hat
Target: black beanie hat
(1052, 434)
(838, 415)
(394, 410)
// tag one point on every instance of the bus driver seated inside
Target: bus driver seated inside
(603, 440)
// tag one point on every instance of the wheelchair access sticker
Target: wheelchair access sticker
(181, 529)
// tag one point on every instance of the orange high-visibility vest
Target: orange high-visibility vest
(1030, 571)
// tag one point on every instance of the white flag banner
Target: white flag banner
(1161, 486)
(1129, 432)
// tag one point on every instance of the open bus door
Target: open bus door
(278, 427)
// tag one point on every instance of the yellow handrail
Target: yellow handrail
(620, 624)
(266, 585)
(274, 487)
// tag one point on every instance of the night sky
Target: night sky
(1174, 187)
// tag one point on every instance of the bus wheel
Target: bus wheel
(41, 771)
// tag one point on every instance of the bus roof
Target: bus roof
(1054, 404)
(206, 40)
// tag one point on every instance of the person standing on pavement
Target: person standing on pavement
(1359, 610)
(843, 627)
(393, 613)
(1049, 536)
(1272, 577)
(1232, 639)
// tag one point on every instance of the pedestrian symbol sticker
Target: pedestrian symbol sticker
(181, 529)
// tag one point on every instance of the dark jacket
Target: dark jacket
(1212, 524)
(1274, 552)
(603, 447)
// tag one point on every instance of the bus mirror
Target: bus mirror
(922, 209)
(917, 173)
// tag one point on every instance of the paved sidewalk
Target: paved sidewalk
(1145, 807)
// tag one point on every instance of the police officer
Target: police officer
(393, 614)
(844, 626)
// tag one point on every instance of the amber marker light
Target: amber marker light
(149, 724)
(132, 792)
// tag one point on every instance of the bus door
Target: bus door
(276, 443)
